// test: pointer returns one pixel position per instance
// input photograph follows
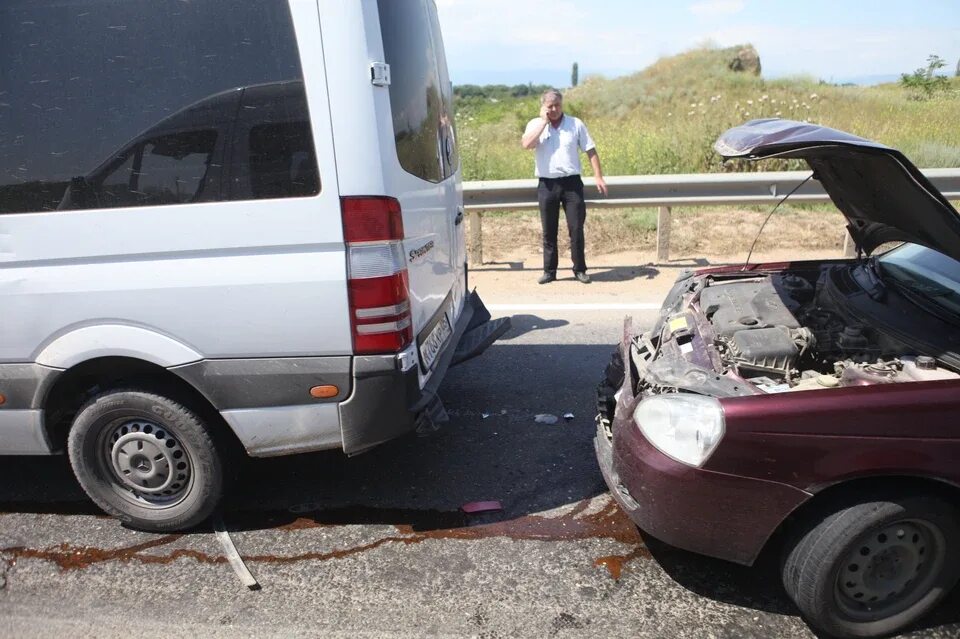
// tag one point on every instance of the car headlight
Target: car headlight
(682, 426)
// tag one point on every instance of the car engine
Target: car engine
(782, 332)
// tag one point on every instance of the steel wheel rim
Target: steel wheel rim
(889, 569)
(148, 462)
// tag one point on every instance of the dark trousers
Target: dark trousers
(551, 193)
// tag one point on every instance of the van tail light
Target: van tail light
(377, 280)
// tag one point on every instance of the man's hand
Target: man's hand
(531, 136)
(602, 186)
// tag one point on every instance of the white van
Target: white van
(224, 226)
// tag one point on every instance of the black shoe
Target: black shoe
(582, 277)
(547, 277)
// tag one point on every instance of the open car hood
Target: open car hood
(884, 197)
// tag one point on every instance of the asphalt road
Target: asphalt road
(377, 545)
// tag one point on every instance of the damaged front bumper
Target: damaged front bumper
(717, 514)
(387, 401)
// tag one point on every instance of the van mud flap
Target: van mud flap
(481, 332)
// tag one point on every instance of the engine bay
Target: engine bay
(816, 328)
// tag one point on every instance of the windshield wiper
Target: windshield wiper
(904, 278)
(938, 300)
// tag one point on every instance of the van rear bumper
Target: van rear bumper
(386, 400)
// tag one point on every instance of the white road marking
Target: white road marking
(643, 306)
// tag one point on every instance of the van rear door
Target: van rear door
(427, 180)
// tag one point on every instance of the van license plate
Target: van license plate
(433, 344)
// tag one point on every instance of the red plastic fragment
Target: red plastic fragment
(481, 506)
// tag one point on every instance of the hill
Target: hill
(665, 118)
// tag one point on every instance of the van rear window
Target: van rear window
(421, 96)
(108, 103)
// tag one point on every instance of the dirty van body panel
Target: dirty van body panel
(21, 417)
(197, 269)
(283, 430)
(22, 433)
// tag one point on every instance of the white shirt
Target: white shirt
(557, 152)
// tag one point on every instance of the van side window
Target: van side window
(421, 98)
(273, 153)
(117, 187)
(281, 165)
(173, 167)
(135, 103)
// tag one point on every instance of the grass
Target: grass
(666, 118)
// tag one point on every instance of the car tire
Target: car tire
(146, 459)
(872, 568)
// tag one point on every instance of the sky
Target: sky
(520, 41)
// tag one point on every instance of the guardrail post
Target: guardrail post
(663, 234)
(476, 238)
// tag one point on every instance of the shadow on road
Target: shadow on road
(623, 273)
(523, 324)
(491, 449)
(759, 587)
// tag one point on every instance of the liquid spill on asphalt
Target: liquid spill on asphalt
(69, 557)
(615, 563)
(607, 522)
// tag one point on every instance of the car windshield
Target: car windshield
(925, 272)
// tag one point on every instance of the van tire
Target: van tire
(847, 570)
(147, 459)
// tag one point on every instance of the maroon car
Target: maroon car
(811, 403)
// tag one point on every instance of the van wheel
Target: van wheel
(874, 567)
(147, 460)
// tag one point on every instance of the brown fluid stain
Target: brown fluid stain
(615, 563)
(69, 557)
(608, 523)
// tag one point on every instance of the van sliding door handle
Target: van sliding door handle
(457, 220)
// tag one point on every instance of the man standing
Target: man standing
(558, 139)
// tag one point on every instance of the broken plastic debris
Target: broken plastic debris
(233, 557)
(481, 507)
(545, 418)
(568, 416)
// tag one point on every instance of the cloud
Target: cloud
(713, 8)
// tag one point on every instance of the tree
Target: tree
(575, 75)
(926, 81)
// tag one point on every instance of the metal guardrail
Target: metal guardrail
(666, 191)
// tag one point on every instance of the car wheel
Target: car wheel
(873, 568)
(147, 460)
